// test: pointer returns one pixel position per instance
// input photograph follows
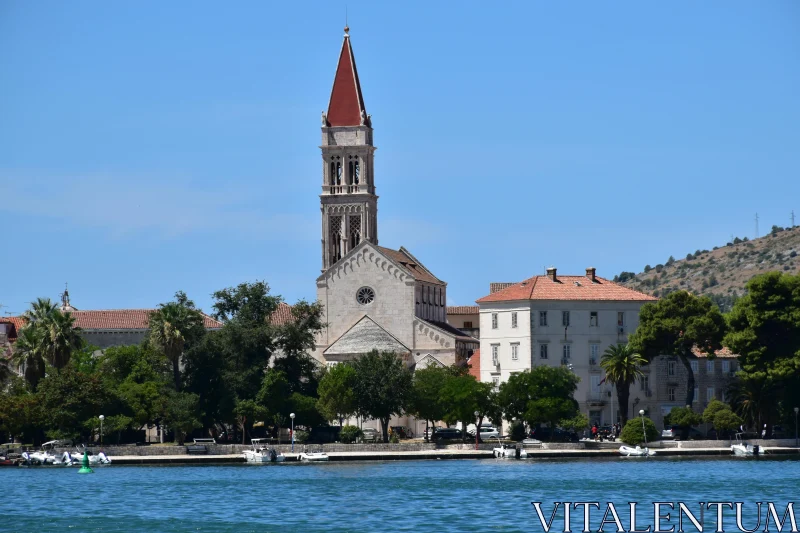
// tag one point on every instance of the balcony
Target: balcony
(597, 397)
(343, 189)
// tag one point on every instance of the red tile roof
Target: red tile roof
(404, 258)
(724, 353)
(475, 365)
(16, 324)
(346, 104)
(463, 310)
(282, 315)
(567, 288)
(499, 286)
(122, 319)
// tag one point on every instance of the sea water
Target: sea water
(437, 496)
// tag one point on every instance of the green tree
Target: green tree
(247, 413)
(632, 432)
(181, 413)
(349, 434)
(382, 387)
(274, 396)
(684, 418)
(175, 326)
(69, 398)
(305, 409)
(425, 401)
(623, 366)
(713, 407)
(337, 400)
(763, 330)
(577, 423)
(462, 396)
(543, 394)
(28, 352)
(726, 420)
(674, 326)
(61, 337)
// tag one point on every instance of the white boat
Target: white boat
(638, 451)
(261, 454)
(75, 458)
(509, 451)
(313, 456)
(743, 449)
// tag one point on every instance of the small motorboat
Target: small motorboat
(73, 459)
(743, 449)
(509, 451)
(261, 454)
(638, 451)
(313, 456)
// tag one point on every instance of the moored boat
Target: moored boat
(261, 454)
(638, 451)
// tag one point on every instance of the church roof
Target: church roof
(450, 330)
(475, 365)
(363, 337)
(410, 264)
(567, 288)
(346, 104)
(282, 315)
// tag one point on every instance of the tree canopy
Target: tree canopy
(543, 394)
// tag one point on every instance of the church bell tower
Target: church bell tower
(348, 201)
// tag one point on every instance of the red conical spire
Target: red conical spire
(346, 107)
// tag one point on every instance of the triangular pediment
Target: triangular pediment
(366, 252)
(363, 337)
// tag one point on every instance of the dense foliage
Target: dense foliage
(633, 434)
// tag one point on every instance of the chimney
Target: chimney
(591, 273)
(551, 273)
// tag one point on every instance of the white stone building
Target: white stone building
(558, 320)
(374, 297)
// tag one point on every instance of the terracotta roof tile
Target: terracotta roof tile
(346, 104)
(282, 315)
(499, 286)
(723, 353)
(16, 324)
(123, 319)
(567, 288)
(475, 365)
(463, 310)
(410, 264)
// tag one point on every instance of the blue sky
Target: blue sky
(154, 146)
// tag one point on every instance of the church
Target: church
(374, 297)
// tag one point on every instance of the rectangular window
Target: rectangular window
(496, 382)
(542, 351)
(515, 351)
(566, 351)
(565, 318)
(710, 367)
(694, 366)
(514, 319)
(709, 394)
(671, 394)
(726, 366)
(696, 394)
(494, 320)
(467, 324)
(645, 383)
(593, 318)
(542, 318)
(620, 318)
(671, 368)
(594, 354)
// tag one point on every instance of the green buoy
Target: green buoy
(85, 465)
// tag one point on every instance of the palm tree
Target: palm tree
(61, 338)
(41, 310)
(29, 352)
(622, 366)
(171, 327)
(754, 399)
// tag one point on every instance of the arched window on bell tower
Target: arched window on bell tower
(355, 231)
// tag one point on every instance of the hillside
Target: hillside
(721, 273)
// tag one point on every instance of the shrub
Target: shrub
(300, 436)
(394, 439)
(517, 431)
(689, 257)
(659, 267)
(349, 434)
(648, 268)
(632, 432)
(793, 254)
(670, 260)
(737, 240)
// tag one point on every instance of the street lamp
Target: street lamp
(291, 415)
(796, 410)
(102, 417)
(477, 429)
(644, 431)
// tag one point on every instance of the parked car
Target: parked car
(544, 434)
(487, 432)
(447, 434)
(429, 431)
(674, 432)
(371, 435)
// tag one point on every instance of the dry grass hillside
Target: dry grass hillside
(721, 273)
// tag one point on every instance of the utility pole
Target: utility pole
(756, 225)
(792, 217)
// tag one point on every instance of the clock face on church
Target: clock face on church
(365, 295)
